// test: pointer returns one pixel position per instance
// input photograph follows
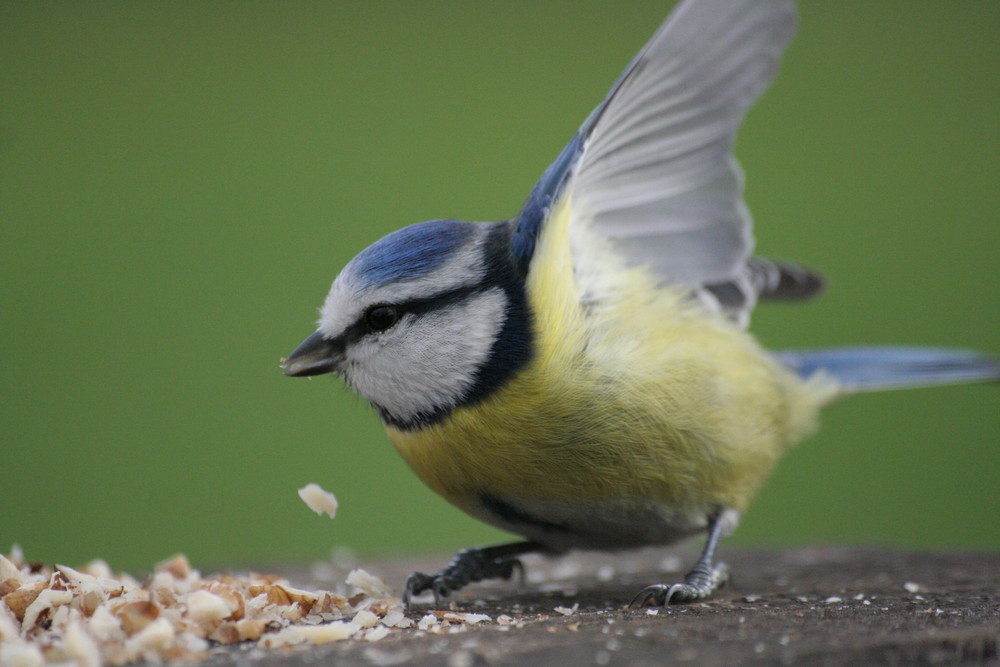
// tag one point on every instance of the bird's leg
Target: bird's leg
(470, 565)
(703, 579)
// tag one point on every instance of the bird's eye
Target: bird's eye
(380, 318)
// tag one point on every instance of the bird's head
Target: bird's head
(428, 318)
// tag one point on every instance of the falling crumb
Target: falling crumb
(319, 500)
(912, 587)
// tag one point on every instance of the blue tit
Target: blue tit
(581, 374)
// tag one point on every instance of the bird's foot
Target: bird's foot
(699, 584)
(468, 566)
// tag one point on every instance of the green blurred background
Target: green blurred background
(180, 182)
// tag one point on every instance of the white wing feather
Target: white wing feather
(657, 174)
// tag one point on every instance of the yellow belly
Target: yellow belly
(693, 433)
(640, 407)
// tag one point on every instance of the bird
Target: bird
(582, 374)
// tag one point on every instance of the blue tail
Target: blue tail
(877, 368)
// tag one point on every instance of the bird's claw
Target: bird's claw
(698, 585)
(468, 566)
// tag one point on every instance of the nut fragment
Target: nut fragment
(75, 576)
(274, 594)
(8, 570)
(103, 624)
(395, 618)
(249, 628)
(18, 600)
(90, 600)
(98, 568)
(21, 654)
(459, 617)
(156, 635)
(305, 598)
(9, 586)
(8, 625)
(319, 500)
(226, 633)
(318, 634)
(81, 646)
(91, 617)
(178, 566)
(205, 608)
(331, 603)
(135, 616)
(231, 595)
(43, 602)
(365, 619)
(369, 584)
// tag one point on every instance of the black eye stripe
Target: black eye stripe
(441, 299)
(360, 328)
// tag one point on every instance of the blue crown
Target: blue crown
(409, 253)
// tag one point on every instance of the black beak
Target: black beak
(316, 355)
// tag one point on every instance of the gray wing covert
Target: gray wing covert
(655, 171)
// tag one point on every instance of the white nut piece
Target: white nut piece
(81, 646)
(319, 500)
(369, 584)
(203, 607)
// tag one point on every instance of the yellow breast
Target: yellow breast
(641, 397)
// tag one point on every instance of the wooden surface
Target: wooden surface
(821, 606)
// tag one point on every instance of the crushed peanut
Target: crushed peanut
(92, 617)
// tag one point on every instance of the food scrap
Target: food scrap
(92, 617)
(318, 499)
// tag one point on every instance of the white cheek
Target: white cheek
(428, 362)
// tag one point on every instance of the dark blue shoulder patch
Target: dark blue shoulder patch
(410, 252)
(529, 221)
